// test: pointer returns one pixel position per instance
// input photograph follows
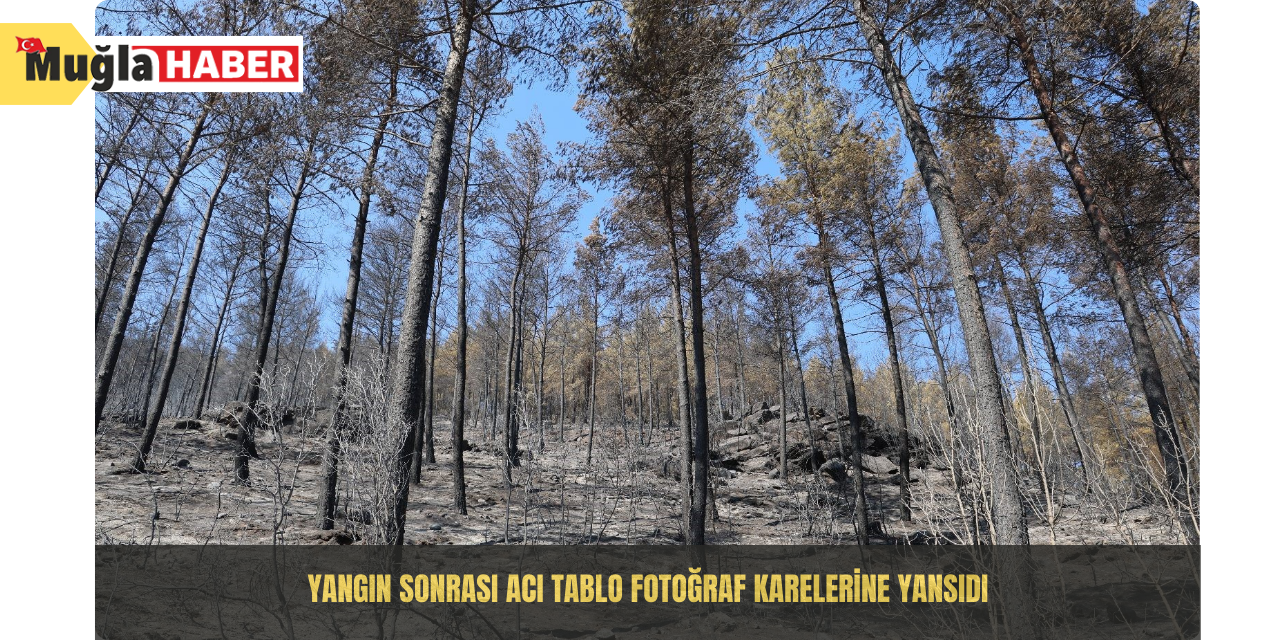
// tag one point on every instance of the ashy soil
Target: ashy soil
(628, 495)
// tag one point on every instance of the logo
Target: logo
(55, 67)
(29, 45)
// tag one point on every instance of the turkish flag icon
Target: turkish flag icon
(29, 45)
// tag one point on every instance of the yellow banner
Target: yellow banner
(49, 64)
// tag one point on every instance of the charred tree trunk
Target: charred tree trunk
(542, 368)
(653, 389)
(424, 447)
(682, 405)
(850, 394)
(515, 369)
(406, 391)
(1166, 430)
(245, 445)
(1059, 378)
(1187, 341)
(782, 401)
(515, 416)
(1186, 349)
(153, 353)
(701, 431)
(564, 346)
(622, 383)
(715, 364)
(179, 324)
(686, 436)
(460, 365)
(640, 393)
(107, 368)
(594, 346)
(1029, 381)
(804, 392)
(1009, 523)
(935, 345)
(742, 362)
(121, 235)
(206, 386)
(895, 370)
(1007, 519)
(338, 424)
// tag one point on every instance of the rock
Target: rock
(878, 464)
(738, 443)
(605, 634)
(874, 443)
(834, 469)
(806, 458)
(758, 465)
(436, 527)
(188, 423)
(232, 413)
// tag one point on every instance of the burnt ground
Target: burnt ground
(628, 495)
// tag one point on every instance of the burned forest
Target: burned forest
(656, 272)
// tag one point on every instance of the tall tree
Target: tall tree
(304, 138)
(543, 30)
(529, 203)
(485, 94)
(216, 337)
(692, 152)
(107, 368)
(1009, 526)
(366, 186)
(1166, 430)
(180, 318)
(406, 383)
(594, 263)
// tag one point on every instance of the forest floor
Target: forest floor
(628, 495)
